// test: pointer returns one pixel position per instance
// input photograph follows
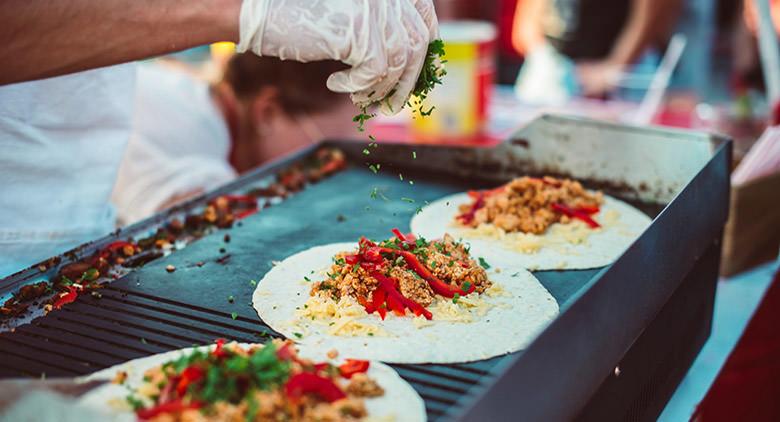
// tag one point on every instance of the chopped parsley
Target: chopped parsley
(306, 278)
(455, 298)
(484, 263)
(233, 315)
(414, 155)
(298, 335)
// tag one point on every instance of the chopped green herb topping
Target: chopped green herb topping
(484, 263)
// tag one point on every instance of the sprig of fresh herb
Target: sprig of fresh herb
(431, 75)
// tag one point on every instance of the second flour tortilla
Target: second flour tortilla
(400, 402)
(510, 323)
(621, 225)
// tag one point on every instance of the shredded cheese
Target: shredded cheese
(558, 236)
(343, 318)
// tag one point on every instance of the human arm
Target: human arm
(50, 38)
(385, 42)
(649, 21)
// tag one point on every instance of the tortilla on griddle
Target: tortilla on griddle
(503, 322)
(562, 247)
(399, 401)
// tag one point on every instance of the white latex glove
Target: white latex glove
(384, 41)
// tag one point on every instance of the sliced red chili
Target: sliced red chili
(580, 215)
(468, 216)
(388, 284)
(174, 406)
(399, 235)
(190, 375)
(353, 366)
(66, 298)
(437, 285)
(351, 259)
(218, 351)
(590, 210)
(308, 383)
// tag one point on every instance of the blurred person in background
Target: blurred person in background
(584, 46)
(189, 137)
(66, 102)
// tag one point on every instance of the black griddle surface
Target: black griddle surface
(151, 311)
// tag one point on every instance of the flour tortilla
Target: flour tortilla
(621, 225)
(509, 325)
(400, 401)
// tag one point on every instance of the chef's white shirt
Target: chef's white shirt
(61, 141)
(179, 143)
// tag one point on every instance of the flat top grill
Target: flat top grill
(151, 311)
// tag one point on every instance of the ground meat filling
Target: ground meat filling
(446, 259)
(362, 386)
(526, 204)
(412, 286)
(344, 280)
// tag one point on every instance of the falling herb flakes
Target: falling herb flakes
(409, 200)
(233, 315)
(366, 151)
(484, 263)
(374, 168)
(298, 335)
(414, 155)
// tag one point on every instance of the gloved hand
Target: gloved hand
(384, 41)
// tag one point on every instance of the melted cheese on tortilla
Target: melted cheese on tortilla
(558, 235)
(342, 317)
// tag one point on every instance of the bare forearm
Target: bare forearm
(44, 38)
(648, 20)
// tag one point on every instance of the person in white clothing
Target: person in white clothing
(62, 138)
(189, 137)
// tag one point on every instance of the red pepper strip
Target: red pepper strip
(395, 304)
(119, 244)
(306, 383)
(399, 235)
(351, 259)
(588, 210)
(373, 254)
(353, 366)
(378, 297)
(437, 285)
(563, 209)
(388, 285)
(382, 312)
(66, 298)
(468, 217)
(190, 375)
(175, 406)
(218, 352)
(286, 352)
(365, 243)
(242, 199)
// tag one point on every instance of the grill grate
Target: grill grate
(121, 325)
